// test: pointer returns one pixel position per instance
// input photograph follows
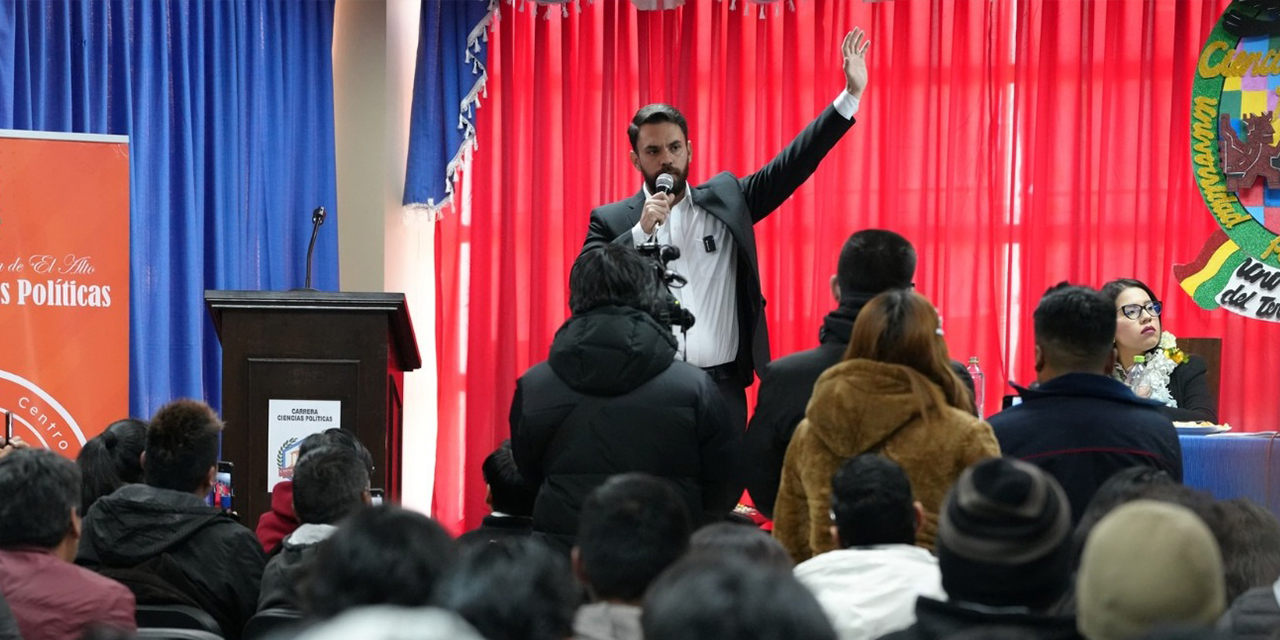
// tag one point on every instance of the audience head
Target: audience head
(871, 503)
(1123, 486)
(901, 327)
(729, 598)
(41, 492)
(509, 492)
(111, 460)
(1249, 538)
(1004, 536)
(1148, 564)
(1135, 307)
(1075, 332)
(614, 275)
(182, 447)
(393, 623)
(379, 555)
(746, 541)
(337, 437)
(514, 589)
(328, 484)
(873, 261)
(631, 528)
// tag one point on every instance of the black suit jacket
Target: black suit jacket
(1189, 386)
(739, 203)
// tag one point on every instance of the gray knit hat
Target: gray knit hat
(1004, 536)
(1145, 565)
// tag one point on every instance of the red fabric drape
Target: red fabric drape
(1016, 144)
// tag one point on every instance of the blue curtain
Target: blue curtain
(448, 82)
(229, 110)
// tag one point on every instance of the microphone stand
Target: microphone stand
(317, 219)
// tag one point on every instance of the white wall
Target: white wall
(374, 45)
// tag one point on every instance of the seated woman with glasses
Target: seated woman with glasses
(1177, 379)
(894, 394)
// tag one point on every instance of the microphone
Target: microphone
(664, 184)
(317, 219)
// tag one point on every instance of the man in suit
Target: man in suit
(711, 224)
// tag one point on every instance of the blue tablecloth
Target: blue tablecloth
(1234, 467)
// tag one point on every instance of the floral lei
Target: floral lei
(1161, 362)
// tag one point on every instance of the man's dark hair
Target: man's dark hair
(874, 261)
(744, 540)
(872, 503)
(380, 555)
(38, 491)
(1075, 328)
(1249, 538)
(1123, 486)
(614, 275)
(328, 484)
(182, 445)
(111, 460)
(654, 114)
(337, 437)
(509, 492)
(631, 528)
(514, 589)
(729, 598)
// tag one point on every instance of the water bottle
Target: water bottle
(1136, 378)
(975, 372)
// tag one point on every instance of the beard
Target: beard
(681, 181)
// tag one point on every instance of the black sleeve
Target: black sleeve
(720, 445)
(599, 234)
(1189, 385)
(769, 187)
(765, 445)
(526, 448)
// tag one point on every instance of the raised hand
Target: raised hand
(854, 49)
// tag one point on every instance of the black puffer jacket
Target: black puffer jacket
(612, 399)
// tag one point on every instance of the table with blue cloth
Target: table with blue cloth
(1236, 466)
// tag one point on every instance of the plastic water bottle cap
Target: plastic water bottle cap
(1139, 359)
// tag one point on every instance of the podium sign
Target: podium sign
(64, 285)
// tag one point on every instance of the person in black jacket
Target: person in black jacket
(1179, 380)
(509, 496)
(611, 398)
(871, 262)
(1080, 425)
(160, 538)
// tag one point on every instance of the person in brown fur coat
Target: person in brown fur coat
(893, 394)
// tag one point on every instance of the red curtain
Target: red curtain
(1016, 144)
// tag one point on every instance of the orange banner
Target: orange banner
(64, 285)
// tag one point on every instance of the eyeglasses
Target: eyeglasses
(1134, 311)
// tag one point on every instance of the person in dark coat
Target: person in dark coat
(611, 398)
(1079, 424)
(160, 538)
(510, 497)
(1178, 381)
(871, 262)
(713, 226)
(1255, 615)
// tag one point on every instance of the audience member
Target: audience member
(729, 598)
(741, 539)
(1078, 424)
(162, 540)
(509, 497)
(632, 528)
(871, 262)
(515, 589)
(611, 398)
(1249, 538)
(378, 555)
(329, 484)
(48, 597)
(894, 394)
(869, 586)
(11, 445)
(111, 460)
(1148, 564)
(8, 624)
(1004, 549)
(281, 520)
(394, 623)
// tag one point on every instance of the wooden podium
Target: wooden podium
(311, 345)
